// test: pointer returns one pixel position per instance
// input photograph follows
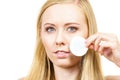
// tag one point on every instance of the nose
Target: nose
(60, 40)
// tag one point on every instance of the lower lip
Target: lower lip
(62, 54)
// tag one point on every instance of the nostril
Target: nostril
(60, 43)
(60, 38)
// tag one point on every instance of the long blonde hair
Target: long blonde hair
(42, 68)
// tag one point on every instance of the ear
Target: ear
(112, 77)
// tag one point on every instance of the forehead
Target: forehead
(63, 12)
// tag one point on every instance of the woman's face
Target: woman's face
(60, 23)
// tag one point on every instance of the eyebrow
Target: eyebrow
(71, 23)
(65, 24)
(49, 24)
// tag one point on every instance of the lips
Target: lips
(62, 53)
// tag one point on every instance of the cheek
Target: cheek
(84, 33)
(48, 45)
(48, 42)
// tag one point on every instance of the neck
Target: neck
(72, 73)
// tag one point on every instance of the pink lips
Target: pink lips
(61, 53)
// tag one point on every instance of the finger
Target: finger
(96, 38)
(91, 40)
(104, 46)
(97, 42)
(107, 36)
(91, 46)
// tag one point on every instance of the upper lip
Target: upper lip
(61, 51)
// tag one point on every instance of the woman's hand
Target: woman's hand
(106, 44)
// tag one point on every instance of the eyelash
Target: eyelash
(69, 29)
(74, 29)
(48, 29)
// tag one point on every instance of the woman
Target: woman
(59, 21)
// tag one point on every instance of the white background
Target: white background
(18, 32)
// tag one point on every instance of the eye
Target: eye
(50, 29)
(72, 29)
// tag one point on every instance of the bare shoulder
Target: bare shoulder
(112, 77)
(21, 79)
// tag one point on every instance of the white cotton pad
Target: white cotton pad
(77, 46)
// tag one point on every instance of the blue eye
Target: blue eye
(72, 29)
(50, 29)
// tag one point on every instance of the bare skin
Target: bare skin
(109, 47)
(56, 34)
(57, 31)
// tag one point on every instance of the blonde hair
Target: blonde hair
(42, 68)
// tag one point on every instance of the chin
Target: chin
(65, 63)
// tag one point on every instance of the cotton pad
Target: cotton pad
(77, 46)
